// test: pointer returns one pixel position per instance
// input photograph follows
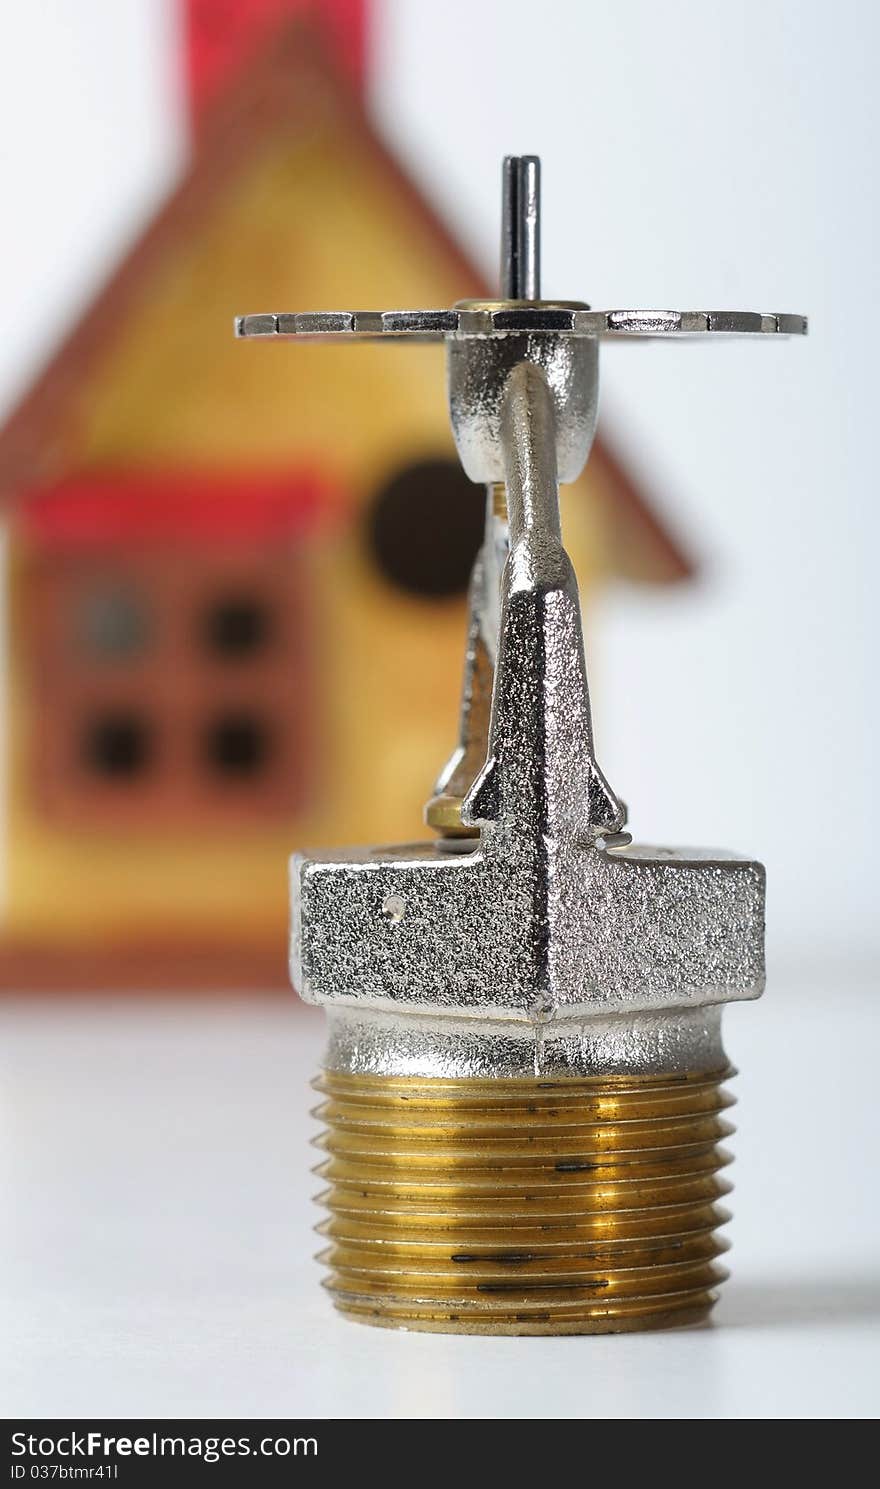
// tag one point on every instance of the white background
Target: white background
(695, 155)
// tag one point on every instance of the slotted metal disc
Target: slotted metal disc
(536, 319)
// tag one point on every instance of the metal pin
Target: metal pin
(521, 228)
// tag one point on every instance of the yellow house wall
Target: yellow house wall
(310, 222)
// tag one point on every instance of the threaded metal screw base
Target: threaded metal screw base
(582, 1205)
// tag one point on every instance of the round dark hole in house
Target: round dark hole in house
(117, 745)
(237, 745)
(425, 527)
(237, 626)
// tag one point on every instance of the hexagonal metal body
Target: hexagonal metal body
(546, 918)
(633, 928)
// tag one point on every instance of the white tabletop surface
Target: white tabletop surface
(155, 1243)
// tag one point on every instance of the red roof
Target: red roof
(278, 90)
(109, 511)
(221, 40)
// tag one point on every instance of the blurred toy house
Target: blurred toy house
(237, 572)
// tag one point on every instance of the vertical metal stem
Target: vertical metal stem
(521, 228)
(528, 440)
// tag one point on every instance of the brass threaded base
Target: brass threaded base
(563, 1206)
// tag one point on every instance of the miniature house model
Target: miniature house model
(237, 574)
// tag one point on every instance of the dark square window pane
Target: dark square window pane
(237, 626)
(237, 746)
(117, 746)
(113, 622)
